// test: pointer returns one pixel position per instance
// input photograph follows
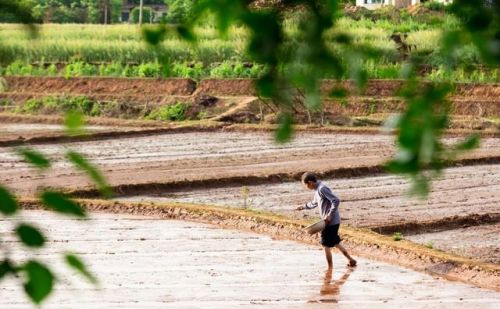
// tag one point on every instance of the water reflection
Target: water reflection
(330, 290)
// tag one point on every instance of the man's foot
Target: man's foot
(352, 263)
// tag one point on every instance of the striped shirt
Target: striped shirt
(328, 203)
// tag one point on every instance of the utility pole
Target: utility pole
(140, 12)
(106, 12)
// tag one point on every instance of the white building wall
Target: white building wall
(375, 4)
(370, 4)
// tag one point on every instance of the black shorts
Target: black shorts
(330, 236)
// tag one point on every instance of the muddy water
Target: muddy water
(150, 263)
(367, 201)
(479, 242)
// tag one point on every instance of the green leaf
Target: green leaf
(80, 162)
(8, 204)
(74, 122)
(76, 263)
(30, 235)
(6, 267)
(420, 187)
(59, 203)
(186, 33)
(154, 35)
(285, 129)
(470, 143)
(34, 157)
(338, 92)
(39, 281)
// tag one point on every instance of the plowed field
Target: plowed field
(198, 156)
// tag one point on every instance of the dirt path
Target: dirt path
(171, 158)
(155, 263)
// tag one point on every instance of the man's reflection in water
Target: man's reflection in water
(330, 289)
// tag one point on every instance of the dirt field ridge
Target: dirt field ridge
(173, 186)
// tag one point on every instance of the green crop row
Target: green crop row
(198, 71)
(195, 71)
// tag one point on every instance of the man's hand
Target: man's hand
(300, 208)
(328, 220)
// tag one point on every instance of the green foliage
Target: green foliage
(420, 129)
(397, 236)
(76, 263)
(58, 202)
(8, 203)
(72, 105)
(30, 236)
(434, 5)
(39, 281)
(429, 244)
(149, 70)
(174, 112)
(6, 268)
(74, 122)
(83, 164)
(178, 10)
(79, 68)
(34, 157)
(284, 132)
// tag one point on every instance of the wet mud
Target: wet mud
(473, 241)
(210, 157)
(149, 262)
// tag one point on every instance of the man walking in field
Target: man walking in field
(329, 211)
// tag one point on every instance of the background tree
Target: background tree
(178, 10)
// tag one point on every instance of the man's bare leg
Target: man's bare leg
(328, 255)
(352, 262)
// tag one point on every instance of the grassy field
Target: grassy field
(118, 50)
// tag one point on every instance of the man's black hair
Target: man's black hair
(307, 176)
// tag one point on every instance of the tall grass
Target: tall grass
(122, 52)
(122, 43)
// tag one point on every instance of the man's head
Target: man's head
(309, 180)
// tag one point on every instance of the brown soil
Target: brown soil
(465, 195)
(101, 85)
(360, 241)
(434, 226)
(473, 241)
(210, 157)
(478, 100)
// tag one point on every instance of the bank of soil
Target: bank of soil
(19, 133)
(479, 242)
(215, 97)
(209, 157)
(157, 263)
